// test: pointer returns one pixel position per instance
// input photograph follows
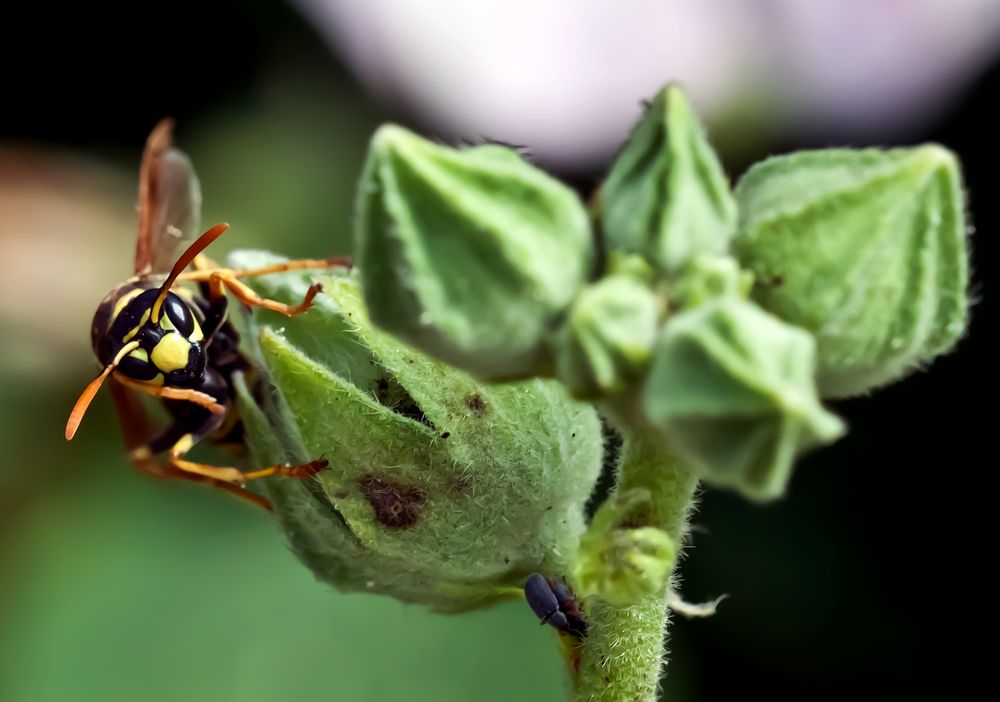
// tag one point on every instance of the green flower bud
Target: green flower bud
(622, 564)
(709, 277)
(472, 255)
(441, 490)
(607, 339)
(733, 389)
(865, 249)
(667, 196)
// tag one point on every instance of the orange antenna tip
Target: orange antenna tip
(90, 392)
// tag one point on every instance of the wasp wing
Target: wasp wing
(169, 203)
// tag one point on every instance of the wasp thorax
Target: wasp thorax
(171, 350)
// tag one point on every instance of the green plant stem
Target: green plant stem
(623, 653)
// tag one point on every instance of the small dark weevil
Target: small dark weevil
(555, 605)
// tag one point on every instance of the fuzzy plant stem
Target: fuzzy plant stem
(623, 653)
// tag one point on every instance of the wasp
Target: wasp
(154, 336)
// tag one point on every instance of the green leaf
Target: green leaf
(866, 249)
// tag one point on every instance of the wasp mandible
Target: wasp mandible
(156, 337)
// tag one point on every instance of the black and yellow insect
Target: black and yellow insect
(153, 336)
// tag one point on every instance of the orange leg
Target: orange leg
(298, 265)
(155, 469)
(138, 427)
(196, 397)
(234, 475)
(221, 279)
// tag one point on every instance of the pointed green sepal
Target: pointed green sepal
(867, 250)
(471, 255)
(667, 196)
(733, 389)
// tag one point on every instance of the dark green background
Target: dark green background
(113, 587)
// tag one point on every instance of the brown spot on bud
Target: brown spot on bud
(395, 505)
(476, 403)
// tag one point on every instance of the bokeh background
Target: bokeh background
(112, 587)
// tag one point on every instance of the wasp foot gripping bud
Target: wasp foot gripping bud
(865, 249)
(471, 255)
(619, 563)
(666, 196)
(440, 490)
(606, 341)
(733, 389)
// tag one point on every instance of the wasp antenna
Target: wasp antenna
(89, 392)
(202, 243)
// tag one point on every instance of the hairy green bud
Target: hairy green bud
(472, 255)
(440, 490)
(666, 196)
(733, 389)
(709, 277)
(606, 342)
(865, 249)
(619, 563)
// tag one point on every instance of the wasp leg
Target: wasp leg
(227, 474)
(203, 400)
(245, 294)
(137, 426)
(298, 265)
(215, 315)
(143, 460)
(204, 266)
(220, 279)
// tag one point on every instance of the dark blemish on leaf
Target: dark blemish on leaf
(392, 395)
(341, 494)
(476, 403)
(446, 435)
(775, 281)
(395, 505)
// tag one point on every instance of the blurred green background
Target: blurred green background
(114, 587)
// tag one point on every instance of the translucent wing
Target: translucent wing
(169, 203)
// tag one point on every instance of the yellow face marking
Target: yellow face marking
(140, 354)
(165, 323)
(135, 330)
(196, 334)
(171, 353)
(122, 302)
